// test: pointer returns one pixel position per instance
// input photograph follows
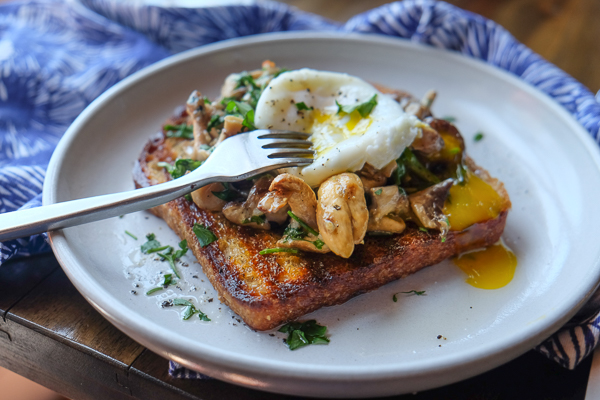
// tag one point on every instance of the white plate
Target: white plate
(378, 347)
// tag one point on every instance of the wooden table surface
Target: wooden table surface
(50, 334)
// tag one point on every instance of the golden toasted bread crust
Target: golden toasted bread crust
(267, 291)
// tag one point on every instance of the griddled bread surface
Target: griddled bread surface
(269, 290)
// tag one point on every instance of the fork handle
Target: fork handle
(28, 222)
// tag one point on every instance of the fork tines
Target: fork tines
(288, 144)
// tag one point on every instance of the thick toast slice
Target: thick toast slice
(269, 290)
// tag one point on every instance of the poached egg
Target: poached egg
(312, 101)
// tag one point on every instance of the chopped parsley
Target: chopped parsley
(364, 109)
(294, 234)
(167, 281)
(171, 257)
(247, 80)
(180, 167)
(303, 224)
(290, 234)
(152, 245)
(453, 151)
(257, 219)
(226, 194)
(131, 234)
(302, 334)
(190, 310)
(278, 250)
(246, 111)
(303, 107)
(378, 192)
(478, 136)
(422, 229)
(215, 122)
(415, 292)
(412, 163)
(204, 235)
(179, 131)
(281, 71)
(409, 293)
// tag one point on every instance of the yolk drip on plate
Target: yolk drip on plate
(471, 202)
(489, 268)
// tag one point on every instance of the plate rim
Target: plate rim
(505, 349)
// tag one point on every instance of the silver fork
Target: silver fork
(236, 158)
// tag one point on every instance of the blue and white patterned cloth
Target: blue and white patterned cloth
(56, 57)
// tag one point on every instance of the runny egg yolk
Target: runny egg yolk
(330, 129)
(489, 268)
(471, 202)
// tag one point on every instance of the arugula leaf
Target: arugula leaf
(364, 109)
(204, 235)
(302, 106)
(179, 131)
(207, 100)
(278, 250)
(302, 334)
(226, 194)
(257, 219)
(152, 245)
(190, 310)
(180, 167)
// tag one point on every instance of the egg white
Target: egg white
(343, 142)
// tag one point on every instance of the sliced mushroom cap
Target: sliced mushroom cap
(232, 125)
(342, 214)
(274, 207)
(230, 87)
(427, 205)
(421, 109)
(200, 113)
(372, 177)
(388, 200)
(290, 190)
(247, 213)
(205, 199)
(429, 141)
(388, 207)
(388, 224)
(454, 144)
